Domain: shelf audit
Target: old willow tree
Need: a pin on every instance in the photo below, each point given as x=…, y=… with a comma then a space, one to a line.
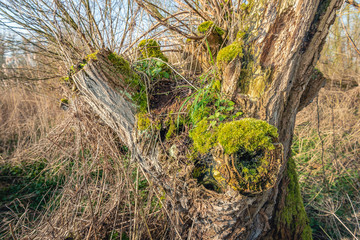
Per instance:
x=217, y=143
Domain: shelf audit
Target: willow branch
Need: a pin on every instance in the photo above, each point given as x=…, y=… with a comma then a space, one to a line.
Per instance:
x=353, y=3
x=349, y=37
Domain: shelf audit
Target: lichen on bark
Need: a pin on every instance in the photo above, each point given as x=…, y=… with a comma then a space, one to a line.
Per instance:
x=252, y=78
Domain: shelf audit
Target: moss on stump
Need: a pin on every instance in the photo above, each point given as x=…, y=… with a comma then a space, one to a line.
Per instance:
x=150, y=48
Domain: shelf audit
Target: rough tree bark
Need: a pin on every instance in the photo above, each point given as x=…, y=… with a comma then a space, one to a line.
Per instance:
x=286, y=38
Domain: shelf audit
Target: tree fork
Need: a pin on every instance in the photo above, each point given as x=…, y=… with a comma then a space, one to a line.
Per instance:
x=287, y=37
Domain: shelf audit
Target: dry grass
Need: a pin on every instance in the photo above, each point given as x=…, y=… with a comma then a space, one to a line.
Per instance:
x=26, y=114
x=327, y=150
x=94, y=190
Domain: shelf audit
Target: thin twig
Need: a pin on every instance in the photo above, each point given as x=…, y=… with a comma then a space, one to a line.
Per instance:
x=158, y=59
x=355, y=214
x=12, y=232
x=353, y=3
x=321, y=141
x=337, y=218
x=349, y=37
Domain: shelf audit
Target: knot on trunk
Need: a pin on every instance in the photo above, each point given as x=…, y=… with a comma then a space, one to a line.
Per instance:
x=245, y=172
x=242, y=155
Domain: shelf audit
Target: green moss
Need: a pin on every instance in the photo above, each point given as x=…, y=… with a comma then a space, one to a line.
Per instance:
x=92, y=56
x=205, y=177
x=82, y=65
x=204, y=136
x=65, y=80
x=198, y=171
x=245, y=162
x=241, y=35
x=150, y=48
x=72, y=69
x=200, y=113
x=250, y=140
x=293, y=214
x=171, y=128
x=64, y=100
x=229, y=53
x=216, y=86
x=143, y=121
x=253, y=77
x=253, y=172
x=205, y=26
x=123, y=67
x=307, y=233
x=247, y=134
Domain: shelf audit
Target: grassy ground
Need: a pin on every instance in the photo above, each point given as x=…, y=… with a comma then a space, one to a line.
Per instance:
x=63, y=174
x=327, y=150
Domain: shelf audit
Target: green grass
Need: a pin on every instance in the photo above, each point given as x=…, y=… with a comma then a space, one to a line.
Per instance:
x=27, y=187
x=322, y=198
x=29, y=182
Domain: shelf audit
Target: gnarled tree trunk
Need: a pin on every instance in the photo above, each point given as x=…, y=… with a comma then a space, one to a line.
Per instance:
x=286, y=39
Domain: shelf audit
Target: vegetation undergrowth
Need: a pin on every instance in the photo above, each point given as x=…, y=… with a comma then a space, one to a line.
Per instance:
x=326, y=152
x=153, y=67
x=29, y=184
x=328, y=188
x=65, y=177
x=208, y=102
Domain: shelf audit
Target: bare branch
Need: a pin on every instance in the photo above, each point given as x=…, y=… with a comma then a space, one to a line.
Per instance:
x=353, y=3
